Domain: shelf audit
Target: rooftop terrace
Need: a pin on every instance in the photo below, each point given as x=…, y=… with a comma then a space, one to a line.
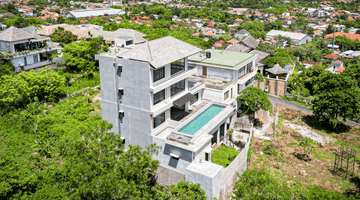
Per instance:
x=223, y=58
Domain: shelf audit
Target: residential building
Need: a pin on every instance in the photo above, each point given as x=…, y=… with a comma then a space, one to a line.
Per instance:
x=260, y=60
x=131, y=36
x=351, y=36
x=25, y=49
x=114, y=2
x=225, y=73
x=242, y=33
x=336, y=67
x=309, y=64
x=94, y=12
x=150, y=96
x=297, y=38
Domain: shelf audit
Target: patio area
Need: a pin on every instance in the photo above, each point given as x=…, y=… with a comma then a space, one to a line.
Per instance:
x=215, y=83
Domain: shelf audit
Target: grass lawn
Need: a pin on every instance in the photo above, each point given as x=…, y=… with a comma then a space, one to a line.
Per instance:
x=83, y=82
x=224, y=155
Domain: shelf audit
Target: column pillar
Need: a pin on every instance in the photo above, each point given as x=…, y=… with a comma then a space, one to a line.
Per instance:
x=218, y=136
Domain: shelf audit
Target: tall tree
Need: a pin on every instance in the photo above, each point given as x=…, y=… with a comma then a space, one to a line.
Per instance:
x=80, y=56
x=63, y=36
x=254, y=99
x=336, y=95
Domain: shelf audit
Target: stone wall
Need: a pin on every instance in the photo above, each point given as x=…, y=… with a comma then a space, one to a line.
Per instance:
x=169, y=176
x=275, y=86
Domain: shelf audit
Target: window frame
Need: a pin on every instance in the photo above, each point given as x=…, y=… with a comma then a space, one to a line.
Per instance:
x=162, y=118
x=177, y=66
x=156, y=70
x=160, y=99
x=177, y=91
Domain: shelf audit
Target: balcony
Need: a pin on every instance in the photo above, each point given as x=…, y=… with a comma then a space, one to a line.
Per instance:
x=213, y=83
x=247, y=76
x=174, y=79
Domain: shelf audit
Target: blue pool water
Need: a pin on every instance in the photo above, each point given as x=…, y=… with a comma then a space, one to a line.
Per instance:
x=199, y=121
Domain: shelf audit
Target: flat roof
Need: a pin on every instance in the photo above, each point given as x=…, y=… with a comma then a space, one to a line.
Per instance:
x=223, y=58
x=205, y=168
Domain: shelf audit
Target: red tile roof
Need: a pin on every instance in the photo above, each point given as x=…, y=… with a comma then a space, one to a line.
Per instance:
x=340, y=69
x=331, y=56
x=337, y=62
x=351, y=36
x=232, y=41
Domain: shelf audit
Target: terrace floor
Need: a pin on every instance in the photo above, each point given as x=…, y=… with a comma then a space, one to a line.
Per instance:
x=216, y=82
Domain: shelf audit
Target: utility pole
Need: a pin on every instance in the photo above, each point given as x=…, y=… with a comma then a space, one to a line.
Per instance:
x=333, y=38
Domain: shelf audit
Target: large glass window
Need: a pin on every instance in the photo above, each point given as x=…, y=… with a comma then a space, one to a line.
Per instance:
x=158, y=97
x=20, y=47
x=226, y=95
x=177, y=66
x=177, y=87
x=241, y=72
x=249, y=67
x=158, y=120
x=43, y=57
x=159, y=74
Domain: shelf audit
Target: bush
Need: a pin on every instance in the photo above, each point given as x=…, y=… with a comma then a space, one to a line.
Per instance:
x=17, y=91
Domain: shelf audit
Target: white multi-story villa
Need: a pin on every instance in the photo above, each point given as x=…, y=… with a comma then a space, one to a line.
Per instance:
x=160, y=92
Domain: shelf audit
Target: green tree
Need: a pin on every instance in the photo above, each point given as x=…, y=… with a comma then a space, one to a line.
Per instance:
x=80, y=56
x=6, y=68
x=336, y=95
x=18, y=91
x=182, y=190
x=311, y=31
x=63, y=36
x=254, y=99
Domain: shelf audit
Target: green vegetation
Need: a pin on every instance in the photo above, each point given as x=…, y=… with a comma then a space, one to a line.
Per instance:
x=18, y=91
x=80, y=56
x=64, y=150
x=63, y=36
x=264, y=184
x=254, y=99
x=6, y=67
x=224, y=155
x=78, y=82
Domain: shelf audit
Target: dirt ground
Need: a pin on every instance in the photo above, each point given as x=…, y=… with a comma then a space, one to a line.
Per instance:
x=286, y=156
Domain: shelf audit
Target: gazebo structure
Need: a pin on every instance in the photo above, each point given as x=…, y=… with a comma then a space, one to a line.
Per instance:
x=277, y=70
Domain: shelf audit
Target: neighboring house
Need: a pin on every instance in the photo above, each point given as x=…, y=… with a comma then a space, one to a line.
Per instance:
x=116, y=37
x=336, y=67
x=26, y=51
x=350, y=53
x=238, y=48
x=114, y=2
x=250, y=42
x=331, y=56
x=260, y=59
x=149, y=96
x=350, y=36
x=242, y=33
x=309, y=64
x=94, y=12
x=277, y=71
x=297, y=38
x=225, y=73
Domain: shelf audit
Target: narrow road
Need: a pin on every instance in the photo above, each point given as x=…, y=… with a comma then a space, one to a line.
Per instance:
x=277, y=101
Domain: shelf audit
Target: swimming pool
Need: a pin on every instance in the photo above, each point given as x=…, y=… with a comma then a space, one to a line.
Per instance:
x=199, y=121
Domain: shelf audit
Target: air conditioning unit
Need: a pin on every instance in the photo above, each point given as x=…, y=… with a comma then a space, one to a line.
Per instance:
x=119, y=69
x=121, y=91
x=121, y=114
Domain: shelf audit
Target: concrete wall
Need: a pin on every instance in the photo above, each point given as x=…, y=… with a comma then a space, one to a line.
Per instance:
x=136, y=125
x=211, y=185
x=179, y=165
x=201, y=153
x=4, y=47
x=237, y=166
x=213, y=72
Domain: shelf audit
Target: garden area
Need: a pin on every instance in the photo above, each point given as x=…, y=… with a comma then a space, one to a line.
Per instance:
x=224, y=155
x=299, y=163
